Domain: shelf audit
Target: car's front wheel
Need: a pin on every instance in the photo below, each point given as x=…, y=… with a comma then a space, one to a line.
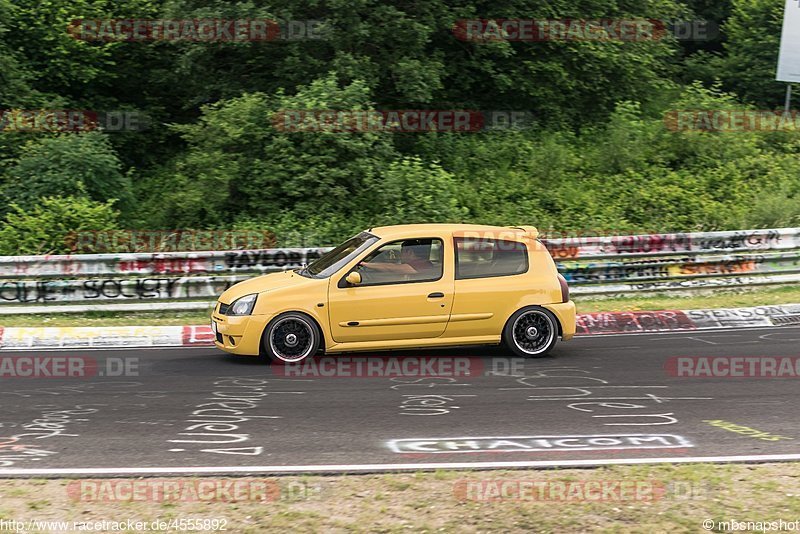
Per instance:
x=531, y=332
x=291, y=338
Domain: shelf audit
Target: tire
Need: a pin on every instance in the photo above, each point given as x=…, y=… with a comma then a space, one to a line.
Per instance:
x=291, y=338
x=531, y=332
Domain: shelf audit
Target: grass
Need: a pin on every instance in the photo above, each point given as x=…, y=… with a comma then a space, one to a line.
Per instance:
x=100, y=318
x=719, y=299
x=768, y=296
x=430, y=502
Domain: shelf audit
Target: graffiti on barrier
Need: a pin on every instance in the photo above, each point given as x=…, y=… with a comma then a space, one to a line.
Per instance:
x=265, y=260
x=734, y=317
x=671, y=243
x=659, y=268
x=593, y=265
x=163, y=266
x=270, y=258
x=627, y=322
x=26, y=291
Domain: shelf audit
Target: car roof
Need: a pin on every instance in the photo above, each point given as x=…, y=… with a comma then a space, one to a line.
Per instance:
x=416, y=230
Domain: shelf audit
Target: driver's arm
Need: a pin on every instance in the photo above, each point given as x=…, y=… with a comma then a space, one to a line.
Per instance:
x=400, y=268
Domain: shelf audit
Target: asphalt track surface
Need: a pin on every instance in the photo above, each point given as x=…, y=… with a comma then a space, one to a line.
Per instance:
x=595, y=400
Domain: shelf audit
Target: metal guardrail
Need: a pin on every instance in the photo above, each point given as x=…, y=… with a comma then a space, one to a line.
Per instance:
x=615, y=265
x=654, y=245
x=160, y=263
x=625, y=265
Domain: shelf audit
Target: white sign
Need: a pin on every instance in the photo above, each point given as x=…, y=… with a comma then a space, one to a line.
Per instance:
x=597, y=442
x=789, y=57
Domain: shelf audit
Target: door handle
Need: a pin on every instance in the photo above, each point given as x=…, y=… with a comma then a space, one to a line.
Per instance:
x=436, y=296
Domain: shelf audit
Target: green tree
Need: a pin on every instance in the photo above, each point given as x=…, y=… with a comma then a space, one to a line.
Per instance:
x=411, y=191
x=410, y=56
x=243, y=163
x=749, y=66
x=52, y=225
x=66, y=165
x=63, y=67
x=14, y=86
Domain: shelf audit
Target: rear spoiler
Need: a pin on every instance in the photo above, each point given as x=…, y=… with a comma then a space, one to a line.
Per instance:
x=530, y=231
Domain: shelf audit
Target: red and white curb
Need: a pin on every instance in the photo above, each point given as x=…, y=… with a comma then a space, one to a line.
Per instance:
x=635, y=322
x=82, y=337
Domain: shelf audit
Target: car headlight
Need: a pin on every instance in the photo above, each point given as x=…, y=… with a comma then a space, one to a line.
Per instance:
x=243, y=305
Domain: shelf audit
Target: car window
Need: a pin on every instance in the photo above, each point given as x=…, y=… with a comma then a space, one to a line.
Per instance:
x=335, y=259
x=407, y=260
x=481, y=258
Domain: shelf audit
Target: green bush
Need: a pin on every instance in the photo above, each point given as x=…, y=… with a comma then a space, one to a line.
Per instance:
x=53, y=225
x=411, y=191
x=67, y=165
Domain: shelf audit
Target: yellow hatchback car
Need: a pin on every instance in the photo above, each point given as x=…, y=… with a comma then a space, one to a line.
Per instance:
x=401, y=287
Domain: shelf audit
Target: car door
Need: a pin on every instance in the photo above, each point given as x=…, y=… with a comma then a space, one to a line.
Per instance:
x=393, y=301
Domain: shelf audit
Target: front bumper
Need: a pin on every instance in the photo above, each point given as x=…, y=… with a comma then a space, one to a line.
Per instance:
x=239, y=334
x=565, y=312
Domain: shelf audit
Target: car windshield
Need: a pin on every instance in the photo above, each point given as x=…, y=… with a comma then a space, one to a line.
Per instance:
x=338, y=257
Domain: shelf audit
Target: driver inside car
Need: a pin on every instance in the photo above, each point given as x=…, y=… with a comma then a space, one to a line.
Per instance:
x=413, y=260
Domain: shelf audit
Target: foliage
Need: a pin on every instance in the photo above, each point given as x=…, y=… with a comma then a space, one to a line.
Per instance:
x=75, y=165
x=749, y=66
x=216, y=156
x=53, y=225
x=412, y=192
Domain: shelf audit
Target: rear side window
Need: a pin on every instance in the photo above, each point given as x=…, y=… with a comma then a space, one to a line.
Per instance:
x=483, y=258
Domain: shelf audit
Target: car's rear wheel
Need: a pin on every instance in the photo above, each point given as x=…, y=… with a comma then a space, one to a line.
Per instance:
x=291, y=338
x=531, y=332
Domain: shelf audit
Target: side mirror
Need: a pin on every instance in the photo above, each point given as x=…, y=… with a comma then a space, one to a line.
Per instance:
x=353, y=278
